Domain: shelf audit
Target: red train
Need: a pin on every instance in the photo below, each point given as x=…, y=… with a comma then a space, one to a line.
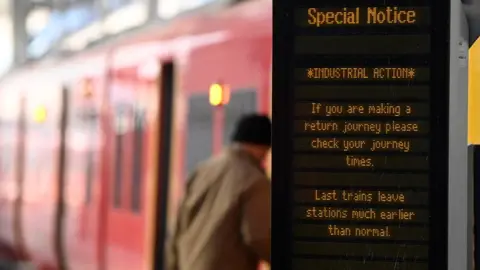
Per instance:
x=94, y=149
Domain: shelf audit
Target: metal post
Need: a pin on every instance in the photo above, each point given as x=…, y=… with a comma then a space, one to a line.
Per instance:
x=152, y=6
x=460, y=191
x=19, y=11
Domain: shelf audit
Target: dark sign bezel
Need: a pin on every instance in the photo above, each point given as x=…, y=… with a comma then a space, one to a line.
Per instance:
x=282, y=150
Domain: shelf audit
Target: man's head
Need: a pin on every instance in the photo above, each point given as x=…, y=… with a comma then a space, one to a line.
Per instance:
x=254, y=133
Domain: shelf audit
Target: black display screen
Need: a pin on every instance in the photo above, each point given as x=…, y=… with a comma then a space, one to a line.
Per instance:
x=360, y=135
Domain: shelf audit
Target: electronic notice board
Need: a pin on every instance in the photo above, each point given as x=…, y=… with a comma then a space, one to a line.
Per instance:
x=360, y=135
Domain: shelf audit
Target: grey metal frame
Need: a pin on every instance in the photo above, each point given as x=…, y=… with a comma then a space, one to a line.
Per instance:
x=460, y=191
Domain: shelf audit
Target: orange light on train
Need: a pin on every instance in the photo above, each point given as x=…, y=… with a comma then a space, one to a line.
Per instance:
x=39, y=114
x=219, y=94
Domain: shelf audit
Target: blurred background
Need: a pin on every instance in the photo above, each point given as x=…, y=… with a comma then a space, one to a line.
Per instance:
x=6, y=37
x=106, y=106
x=32, y=29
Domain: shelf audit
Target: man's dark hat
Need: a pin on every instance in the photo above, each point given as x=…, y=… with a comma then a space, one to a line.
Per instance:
x=254, y=129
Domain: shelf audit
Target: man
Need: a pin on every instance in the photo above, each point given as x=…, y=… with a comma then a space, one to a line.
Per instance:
x=224, y=219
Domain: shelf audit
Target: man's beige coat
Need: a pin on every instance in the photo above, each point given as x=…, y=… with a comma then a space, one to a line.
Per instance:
x=224, y=219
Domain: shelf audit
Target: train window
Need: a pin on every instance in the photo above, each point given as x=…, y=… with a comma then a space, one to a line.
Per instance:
x=241, y=102
x=138, y=137
x=117, y=196
x=89, y=176
x=121, y=126
x=199, y=131
x=88, y=119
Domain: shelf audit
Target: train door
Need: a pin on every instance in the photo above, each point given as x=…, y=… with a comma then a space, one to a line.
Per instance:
x=125, y=147
x=78, y=155
x=164, y=150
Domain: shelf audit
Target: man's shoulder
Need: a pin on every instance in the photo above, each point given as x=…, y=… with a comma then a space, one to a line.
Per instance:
x=236, y=167
x=224, y=159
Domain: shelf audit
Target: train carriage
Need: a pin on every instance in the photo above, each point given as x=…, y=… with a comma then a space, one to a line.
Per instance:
x=113, y=132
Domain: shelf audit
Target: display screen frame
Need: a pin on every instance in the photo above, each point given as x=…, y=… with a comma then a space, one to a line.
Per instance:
x=284, y=32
